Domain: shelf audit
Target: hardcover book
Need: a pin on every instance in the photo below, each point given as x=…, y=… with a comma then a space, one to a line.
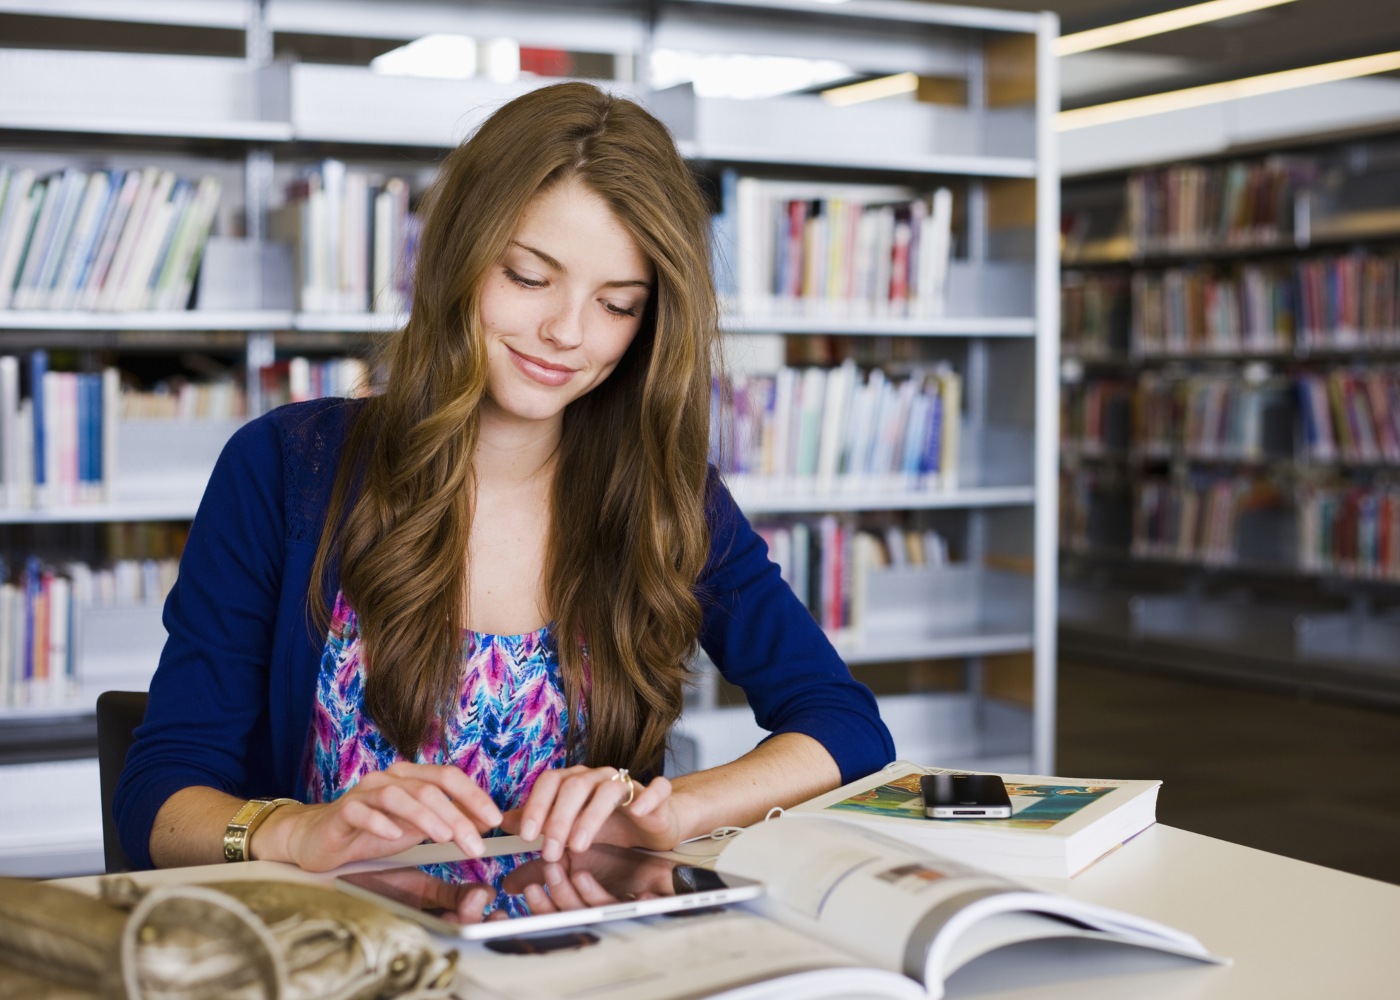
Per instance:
x=1058, y=826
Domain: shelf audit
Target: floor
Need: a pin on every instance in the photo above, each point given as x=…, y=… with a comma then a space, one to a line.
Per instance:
x=1309, y=780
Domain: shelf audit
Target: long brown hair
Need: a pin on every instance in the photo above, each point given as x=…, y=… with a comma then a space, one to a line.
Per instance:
x=628, y=536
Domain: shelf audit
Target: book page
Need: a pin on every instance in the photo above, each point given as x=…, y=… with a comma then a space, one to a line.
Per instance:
x=907, y=910
x=854, y=887
x=729, y=954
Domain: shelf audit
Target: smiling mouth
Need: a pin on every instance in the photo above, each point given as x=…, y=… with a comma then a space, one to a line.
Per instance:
x=541, y=371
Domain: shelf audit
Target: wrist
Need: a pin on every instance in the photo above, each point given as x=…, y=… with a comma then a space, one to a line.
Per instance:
x=271, y=841
x=692, y=819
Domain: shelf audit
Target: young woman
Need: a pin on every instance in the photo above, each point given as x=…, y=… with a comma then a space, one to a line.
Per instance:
x=469, y=602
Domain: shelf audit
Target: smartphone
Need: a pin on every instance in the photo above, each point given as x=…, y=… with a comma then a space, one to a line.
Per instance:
x=965, y=796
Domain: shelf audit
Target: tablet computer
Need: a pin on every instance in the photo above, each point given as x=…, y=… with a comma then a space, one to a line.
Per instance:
x=514, y=894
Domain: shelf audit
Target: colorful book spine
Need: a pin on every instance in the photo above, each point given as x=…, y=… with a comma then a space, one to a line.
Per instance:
x=826, y=431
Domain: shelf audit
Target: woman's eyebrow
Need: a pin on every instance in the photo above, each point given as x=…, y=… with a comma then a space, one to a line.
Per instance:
x=554, y=263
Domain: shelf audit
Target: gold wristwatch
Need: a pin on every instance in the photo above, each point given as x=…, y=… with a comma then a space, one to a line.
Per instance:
x=240, y=829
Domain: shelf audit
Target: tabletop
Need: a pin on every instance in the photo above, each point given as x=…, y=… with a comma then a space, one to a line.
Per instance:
x=1290, y=929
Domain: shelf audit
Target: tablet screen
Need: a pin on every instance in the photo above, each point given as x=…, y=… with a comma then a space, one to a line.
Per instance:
x=515, y=893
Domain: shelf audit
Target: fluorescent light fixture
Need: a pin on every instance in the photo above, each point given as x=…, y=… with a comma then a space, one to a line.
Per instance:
x=501, y=59
x=451, y=57
x=872, y=90
x=742, y=76
x=1229, y=90
x=1156, y=24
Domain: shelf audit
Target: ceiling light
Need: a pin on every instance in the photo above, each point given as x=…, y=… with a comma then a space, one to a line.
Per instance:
x=451, y=57
x=1229, y=90
x=872, y=90
x=742, y=76
x=1156, y=24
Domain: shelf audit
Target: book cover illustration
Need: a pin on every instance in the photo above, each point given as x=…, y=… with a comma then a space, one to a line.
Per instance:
x=1033, y=806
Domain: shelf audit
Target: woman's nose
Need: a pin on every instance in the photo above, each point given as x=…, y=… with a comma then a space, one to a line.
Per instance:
x=564, y=326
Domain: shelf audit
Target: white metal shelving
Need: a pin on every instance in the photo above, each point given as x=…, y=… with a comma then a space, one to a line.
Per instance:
x=179, y=321
x=1001, y=320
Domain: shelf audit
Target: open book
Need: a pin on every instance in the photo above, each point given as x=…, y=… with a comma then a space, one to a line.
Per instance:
x=1058, y=826
x=849, y=912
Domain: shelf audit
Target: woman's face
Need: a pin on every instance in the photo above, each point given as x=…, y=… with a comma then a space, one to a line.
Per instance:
x=561, y=306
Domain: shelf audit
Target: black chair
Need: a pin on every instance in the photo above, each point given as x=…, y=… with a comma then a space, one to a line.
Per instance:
x=118, y=715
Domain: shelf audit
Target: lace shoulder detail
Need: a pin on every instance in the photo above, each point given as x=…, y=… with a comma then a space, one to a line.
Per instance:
x=313, y=435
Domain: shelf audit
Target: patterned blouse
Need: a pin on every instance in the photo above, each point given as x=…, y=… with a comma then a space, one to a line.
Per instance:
x=510, y=724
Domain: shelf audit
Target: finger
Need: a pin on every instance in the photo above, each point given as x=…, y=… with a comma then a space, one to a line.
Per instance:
x=607, y=797
x=472, y=907
x=468, y=797
x=650, y=797
x=541, y=799
x=511, y=821
x=561, y=889
x=360, y=815
x=573, y=794
x=424, y=804
x=591, y=891
x=538, y=900
x=405, y=803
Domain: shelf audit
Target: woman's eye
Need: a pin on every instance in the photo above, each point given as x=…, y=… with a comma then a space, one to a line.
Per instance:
x=618, y=311
x=521, y=280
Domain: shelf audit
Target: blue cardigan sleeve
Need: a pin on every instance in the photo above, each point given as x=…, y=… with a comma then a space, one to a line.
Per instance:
x=763, y=639
x=207, y=715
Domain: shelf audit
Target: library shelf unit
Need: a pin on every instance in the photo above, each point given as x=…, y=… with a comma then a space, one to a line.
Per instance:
x=961, y=656
x=1235, y=378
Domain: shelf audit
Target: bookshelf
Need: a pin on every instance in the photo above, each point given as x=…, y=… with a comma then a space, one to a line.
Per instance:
x=1229, y=435
x=962, y=654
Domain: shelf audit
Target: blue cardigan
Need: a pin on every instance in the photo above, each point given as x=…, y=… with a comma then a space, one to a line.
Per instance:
x=230, y=704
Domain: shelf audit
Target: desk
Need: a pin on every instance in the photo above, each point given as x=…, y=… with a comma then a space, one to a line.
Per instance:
x=1295, y=931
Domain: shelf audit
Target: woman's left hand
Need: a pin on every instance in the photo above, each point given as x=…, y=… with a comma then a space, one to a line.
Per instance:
x=576, y=807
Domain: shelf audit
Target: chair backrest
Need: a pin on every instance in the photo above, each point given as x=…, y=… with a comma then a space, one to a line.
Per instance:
x=118, y=715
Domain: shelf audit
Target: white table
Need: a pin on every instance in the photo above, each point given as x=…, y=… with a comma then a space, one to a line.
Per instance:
x=1294, y=931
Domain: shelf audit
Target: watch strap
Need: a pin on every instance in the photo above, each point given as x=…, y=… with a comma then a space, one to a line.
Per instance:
x=248, y=818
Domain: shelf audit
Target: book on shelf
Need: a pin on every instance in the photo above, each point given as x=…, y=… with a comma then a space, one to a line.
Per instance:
x=295, y=380
x=1350, y=530
x=842, y=252
x=352, y=237
x=1094, y=314
x=1243, y=203
x=1058, y=827
x=39, y=610
x=830, y=430
x=58, y=444
x=827, y=562
x=108, y=240
x=179, y=399
x=1198, y=520
x=848, y=912
x=1350, y=414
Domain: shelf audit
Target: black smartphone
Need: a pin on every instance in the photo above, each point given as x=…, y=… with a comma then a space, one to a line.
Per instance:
x=965, y=796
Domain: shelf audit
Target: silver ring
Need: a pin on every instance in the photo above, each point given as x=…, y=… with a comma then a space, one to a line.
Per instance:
x=623, y=776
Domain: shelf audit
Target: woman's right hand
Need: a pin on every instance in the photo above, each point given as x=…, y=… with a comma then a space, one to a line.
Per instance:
x=385, y=812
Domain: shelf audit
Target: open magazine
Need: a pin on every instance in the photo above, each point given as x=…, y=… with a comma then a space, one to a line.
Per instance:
x=1058, y=826
x=849, y=912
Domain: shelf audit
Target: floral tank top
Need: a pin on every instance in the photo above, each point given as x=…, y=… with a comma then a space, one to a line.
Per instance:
x=510, y=724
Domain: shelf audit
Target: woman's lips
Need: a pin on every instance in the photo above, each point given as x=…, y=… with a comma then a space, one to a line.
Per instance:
x=541, y=371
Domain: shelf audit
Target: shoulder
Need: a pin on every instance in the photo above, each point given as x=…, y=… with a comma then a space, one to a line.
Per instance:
x=731, y=536
x=290, y=455
x=317, y=426
x=295, y=434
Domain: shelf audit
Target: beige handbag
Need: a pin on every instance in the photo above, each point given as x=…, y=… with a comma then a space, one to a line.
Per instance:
x=236, y=939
